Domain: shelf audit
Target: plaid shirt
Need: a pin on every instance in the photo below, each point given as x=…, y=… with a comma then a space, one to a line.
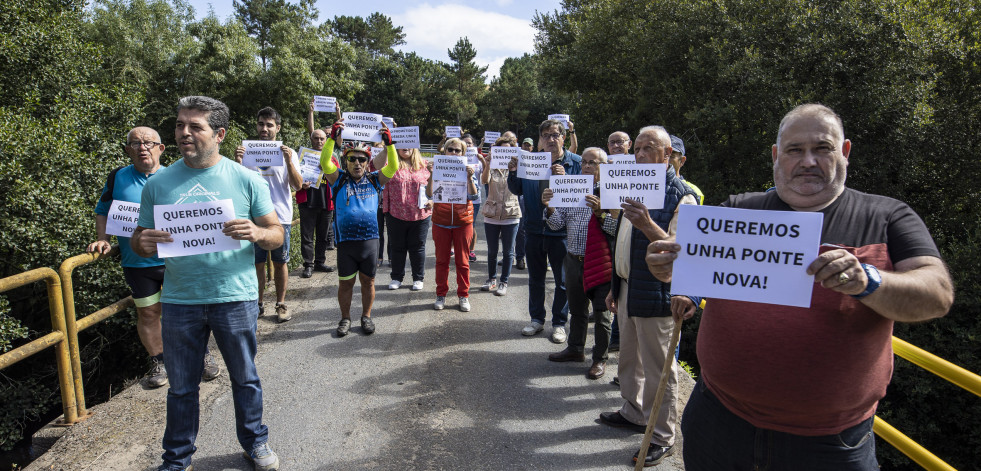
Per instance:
x=576, y=223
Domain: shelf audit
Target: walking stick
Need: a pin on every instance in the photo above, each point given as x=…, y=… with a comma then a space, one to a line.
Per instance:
x=658, y=398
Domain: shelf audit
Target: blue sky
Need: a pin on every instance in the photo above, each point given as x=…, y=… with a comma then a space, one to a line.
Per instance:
x=498, y=29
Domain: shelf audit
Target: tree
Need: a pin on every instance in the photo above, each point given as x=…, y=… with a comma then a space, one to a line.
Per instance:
x=377, y=34
x=259, y=17
x=468, y=81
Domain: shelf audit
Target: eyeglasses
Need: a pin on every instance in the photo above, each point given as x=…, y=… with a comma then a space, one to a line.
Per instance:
x=453, y=150
x=138, y=145
x=554, y=136
x=618, y=142
x=360, y=160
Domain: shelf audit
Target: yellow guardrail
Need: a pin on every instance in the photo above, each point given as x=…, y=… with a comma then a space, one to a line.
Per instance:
x=955, y=374
x=57, y=338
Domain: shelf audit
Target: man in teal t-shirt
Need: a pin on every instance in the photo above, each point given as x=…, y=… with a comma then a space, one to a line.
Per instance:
x=215, y=291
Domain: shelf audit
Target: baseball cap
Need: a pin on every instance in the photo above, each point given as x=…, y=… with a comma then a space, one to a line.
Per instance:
x=528, y=140
x=677, y=145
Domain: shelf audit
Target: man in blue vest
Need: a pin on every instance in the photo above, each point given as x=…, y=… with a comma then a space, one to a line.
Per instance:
x=643, y=304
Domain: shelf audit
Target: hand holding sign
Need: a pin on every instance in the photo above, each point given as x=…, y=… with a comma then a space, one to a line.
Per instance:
x=324, y=103
x=638, y=215
x=241, y=229
x=454, y=131
x=362, y=126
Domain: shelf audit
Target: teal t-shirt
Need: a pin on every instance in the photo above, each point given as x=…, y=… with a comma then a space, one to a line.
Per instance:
x=219, y=277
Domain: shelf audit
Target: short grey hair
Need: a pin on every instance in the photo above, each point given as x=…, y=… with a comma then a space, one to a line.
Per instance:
x=218, y=115
x=596, y=150
x=813, y=110
x=662, y=134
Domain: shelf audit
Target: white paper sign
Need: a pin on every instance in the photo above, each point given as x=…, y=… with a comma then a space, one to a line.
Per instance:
x=263, y=154
x=569, y=191
x=535, y=165
x=501, y=156
x=310, y=166
x=622, y=159
x=454, y=131
x=746, y=255
x=490, y=137
x=324, y=104
x=195, y=228
x=449, y=168
x=472, y=158
x=388, y=122
x=639, y=182
x=122, y=218
x=562, y=118
x=423, y=199
x=406, y=137
x=362, y=126
x=449, y=192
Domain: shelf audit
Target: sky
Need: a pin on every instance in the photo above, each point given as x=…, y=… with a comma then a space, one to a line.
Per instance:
x=498, y=29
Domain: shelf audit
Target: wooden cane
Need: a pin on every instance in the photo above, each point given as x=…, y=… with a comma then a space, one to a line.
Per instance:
x=662, y=386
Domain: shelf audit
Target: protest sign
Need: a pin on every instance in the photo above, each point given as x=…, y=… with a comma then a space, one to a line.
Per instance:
x=562, y=118
x=388, y=122
x=310, y=166
x=122, y=218
x=535, y=165
x=450, y=168
x=406, y=137
x=195, y=228
x=324, y=104
x=454, y=131
x=263, y=154
x=449, y=192
x=622, y=159
x=362, y=126
x=472, y=158
x=569, y=191
x=639, y=182
x=746, y=255
x=423, y=199
x=490, y=137
x=501, y=156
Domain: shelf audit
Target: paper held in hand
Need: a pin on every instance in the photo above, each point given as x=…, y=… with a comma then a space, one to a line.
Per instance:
x=406, y=137
x=362, y=126
x=454, y=131
x=490, y=137
x=569, y=191
x=622, y=159
x=562, y=118
x=501, y=156
x=450, y=168
x=324, y=104
x=263, y=154
x=310, y=167
x=122, y=218
x=535, y=165
x=746, y=255
x=639, y=182
x=195, y=227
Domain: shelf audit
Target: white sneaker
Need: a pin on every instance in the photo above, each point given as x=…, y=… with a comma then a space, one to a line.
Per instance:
x=532, y=329
x=263, y=458
x=440, y=303
x=559, y=335
x=489, y=285
x=417, y=285
x=464, y=304
x=502, y=289
x=395, y=284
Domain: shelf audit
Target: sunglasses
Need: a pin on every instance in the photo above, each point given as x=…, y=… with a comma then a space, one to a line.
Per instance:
x=357, y=159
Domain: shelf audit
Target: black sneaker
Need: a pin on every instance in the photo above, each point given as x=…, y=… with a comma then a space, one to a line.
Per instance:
x=521, y=264
x=367, y=325
x=655, y=454
x=343, y=327
x=614, y=419
x=307, y=272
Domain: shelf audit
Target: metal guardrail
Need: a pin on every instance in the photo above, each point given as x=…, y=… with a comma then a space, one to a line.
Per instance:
x=942, y=368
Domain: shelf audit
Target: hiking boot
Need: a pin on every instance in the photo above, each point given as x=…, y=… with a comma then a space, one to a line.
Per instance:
x=532, y=329
x=367, y=325
x=283, y=312
x=263, y=458
x=502, y=288
x=211, y=368
x=464, y=304
x=440, y=303
x=343, y=327
x=157, y=376
x=307, y=272
x=489, y=285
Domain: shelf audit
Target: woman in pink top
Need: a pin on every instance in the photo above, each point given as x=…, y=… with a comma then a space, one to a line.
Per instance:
x=408, y=224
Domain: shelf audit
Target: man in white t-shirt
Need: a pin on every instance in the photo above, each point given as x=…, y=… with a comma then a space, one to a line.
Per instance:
x=282, y=181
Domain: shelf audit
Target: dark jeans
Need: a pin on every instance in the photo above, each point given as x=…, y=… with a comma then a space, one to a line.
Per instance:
x=539, y=250
x=497, y=234
x=579, y=301
x=519, y=237
x=314, y=235
x=407, y=237
x=718, y=440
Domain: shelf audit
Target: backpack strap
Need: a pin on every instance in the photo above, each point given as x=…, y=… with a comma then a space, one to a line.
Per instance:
x=110, y=186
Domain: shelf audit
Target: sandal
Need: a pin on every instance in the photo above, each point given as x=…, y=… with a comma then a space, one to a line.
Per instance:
x=343, y=327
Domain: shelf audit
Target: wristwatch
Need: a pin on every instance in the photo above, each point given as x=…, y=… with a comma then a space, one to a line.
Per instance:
x=875, y=280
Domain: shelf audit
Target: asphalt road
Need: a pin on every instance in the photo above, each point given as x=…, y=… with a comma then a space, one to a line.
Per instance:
x=430, y=390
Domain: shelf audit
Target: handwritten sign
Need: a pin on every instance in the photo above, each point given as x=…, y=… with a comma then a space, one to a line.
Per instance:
x=490, y=137
x=569, y=191
x=449, y=192
x=472, y=158
x=622, y=159
x=388, y=122
x=362, y=126
x=450, y=168
x=454, y=131
x=195, y=228
x=310, y=166
x=122, y=218
x=324, y=104
x=263, y=154
x=639, y=182
x=562, y=118
x=501, y=156
x=406, y=137
x=535, y=165
x=746, y=255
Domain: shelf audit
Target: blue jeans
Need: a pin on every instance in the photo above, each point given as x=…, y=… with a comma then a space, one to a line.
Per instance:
x=496, y=233
x=539, y=250
x=185, y=330
x=718, y=440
